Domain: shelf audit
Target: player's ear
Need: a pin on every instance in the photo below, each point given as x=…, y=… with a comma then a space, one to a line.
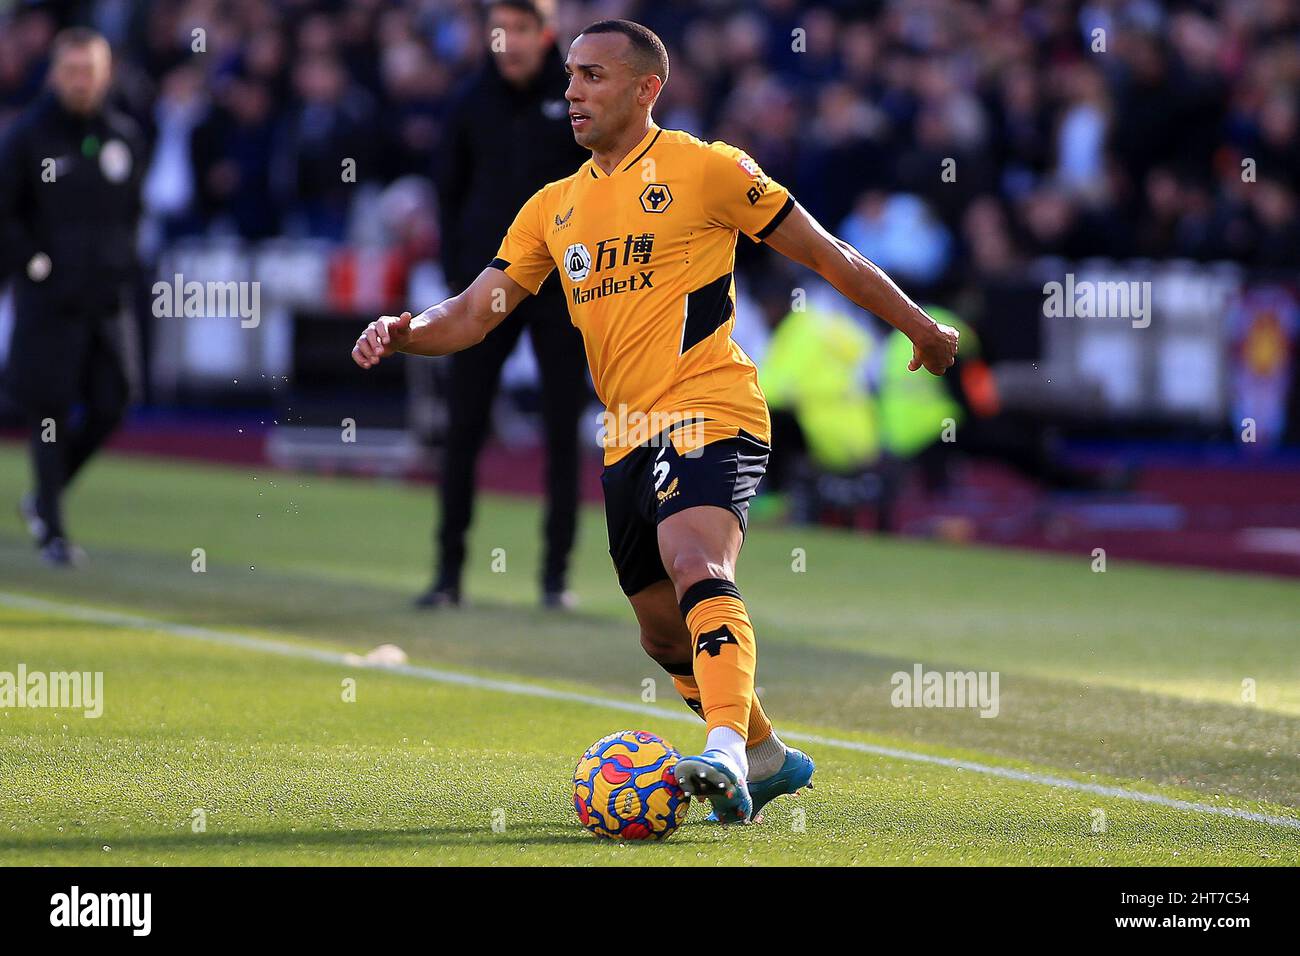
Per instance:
x=650, y=87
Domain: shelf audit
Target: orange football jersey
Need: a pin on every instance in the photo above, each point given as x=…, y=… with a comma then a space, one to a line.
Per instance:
x=646, y=256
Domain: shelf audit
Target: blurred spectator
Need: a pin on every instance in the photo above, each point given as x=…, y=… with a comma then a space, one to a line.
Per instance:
x=170, y=188
x=330, y=131
x=232, y=151
x=1081, y=138
x=991, y=252
x=899, y=234
x=415, y=89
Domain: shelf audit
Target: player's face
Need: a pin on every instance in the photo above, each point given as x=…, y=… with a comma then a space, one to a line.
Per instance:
x=603, y=91
x=81, y=75
x=519, y=43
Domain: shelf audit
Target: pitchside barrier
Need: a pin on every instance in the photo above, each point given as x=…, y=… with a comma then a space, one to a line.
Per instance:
x=1125, y=345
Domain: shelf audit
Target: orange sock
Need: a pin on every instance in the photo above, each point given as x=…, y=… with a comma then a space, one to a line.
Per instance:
x=760, y=727
x=722, y=642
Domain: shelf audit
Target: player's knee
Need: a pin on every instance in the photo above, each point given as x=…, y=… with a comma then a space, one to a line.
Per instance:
x=663, y=648
x=689, y=566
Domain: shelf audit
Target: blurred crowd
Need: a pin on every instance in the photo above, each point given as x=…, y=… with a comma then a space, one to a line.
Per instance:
x=947, y=139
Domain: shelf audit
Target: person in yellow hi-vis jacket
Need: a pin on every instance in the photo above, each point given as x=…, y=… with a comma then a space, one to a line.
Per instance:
x=927, y=421
x=816, y=368
x=814, y=374
x=914, y=415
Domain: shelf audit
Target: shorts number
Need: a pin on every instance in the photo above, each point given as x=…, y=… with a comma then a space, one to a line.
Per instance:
x=661, y=470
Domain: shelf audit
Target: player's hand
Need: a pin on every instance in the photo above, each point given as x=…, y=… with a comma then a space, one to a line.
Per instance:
x=385, y=336
x=937, y=351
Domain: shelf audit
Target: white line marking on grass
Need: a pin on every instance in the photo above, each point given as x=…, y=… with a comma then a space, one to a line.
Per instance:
x=286, y=649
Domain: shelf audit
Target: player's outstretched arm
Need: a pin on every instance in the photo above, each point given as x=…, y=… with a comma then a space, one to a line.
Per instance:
x=801, y=237
x=451, y=325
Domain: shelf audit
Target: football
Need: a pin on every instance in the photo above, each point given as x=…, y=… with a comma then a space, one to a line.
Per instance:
x=624, y=788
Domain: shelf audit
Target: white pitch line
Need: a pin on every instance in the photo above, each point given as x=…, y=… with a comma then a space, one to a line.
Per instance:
x=286, y=649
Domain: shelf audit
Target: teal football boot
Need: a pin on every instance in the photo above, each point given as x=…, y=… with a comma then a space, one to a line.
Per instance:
x=795, y=774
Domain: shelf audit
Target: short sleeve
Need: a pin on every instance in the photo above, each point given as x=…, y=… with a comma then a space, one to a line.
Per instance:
x=523, y=255
x=739, y=195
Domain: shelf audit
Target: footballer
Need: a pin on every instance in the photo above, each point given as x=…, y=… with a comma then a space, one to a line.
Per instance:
x=644, y=236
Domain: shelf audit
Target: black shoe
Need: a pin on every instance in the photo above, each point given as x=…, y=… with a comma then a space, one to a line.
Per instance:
x=561, y=600
x=61, y=553
x=439, y=596
x=31, y=517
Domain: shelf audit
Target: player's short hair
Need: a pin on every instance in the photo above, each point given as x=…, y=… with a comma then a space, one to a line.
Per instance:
x=648, y=52
x=75, y=38
x=542, y=10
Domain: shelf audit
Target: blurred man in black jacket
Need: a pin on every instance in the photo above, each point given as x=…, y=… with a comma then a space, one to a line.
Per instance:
x=69, y=205
x=507, y=136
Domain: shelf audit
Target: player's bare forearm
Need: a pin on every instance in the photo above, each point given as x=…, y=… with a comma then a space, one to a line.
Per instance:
x=444, y=328
x=801, y=238
x=864, y=283
x=450, y=326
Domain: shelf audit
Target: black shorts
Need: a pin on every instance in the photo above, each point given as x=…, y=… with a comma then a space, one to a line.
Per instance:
x=654, y=481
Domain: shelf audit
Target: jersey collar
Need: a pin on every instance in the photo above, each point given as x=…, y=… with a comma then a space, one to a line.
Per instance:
x=636, y=152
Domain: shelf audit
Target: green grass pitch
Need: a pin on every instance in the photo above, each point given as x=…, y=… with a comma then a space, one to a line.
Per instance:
x=1131, y=679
